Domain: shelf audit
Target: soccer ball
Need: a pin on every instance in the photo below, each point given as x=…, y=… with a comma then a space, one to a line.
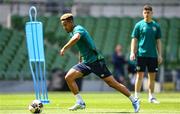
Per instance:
x=36, y=107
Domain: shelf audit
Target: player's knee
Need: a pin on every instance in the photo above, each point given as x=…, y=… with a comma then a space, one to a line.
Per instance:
x=140, y=78
x=68, y=78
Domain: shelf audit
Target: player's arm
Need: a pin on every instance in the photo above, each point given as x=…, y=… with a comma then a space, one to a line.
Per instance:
x=159, y=49
x=133, y=49
x=135, y=36
x=70, y=43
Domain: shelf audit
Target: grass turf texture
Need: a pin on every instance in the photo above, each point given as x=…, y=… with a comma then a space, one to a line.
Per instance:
x=97, y=103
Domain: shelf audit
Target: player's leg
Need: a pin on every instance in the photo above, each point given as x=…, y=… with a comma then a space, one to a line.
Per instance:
x=116, y=85
x=151, y=83
x=100, y=69
x=121, y=88
x=70, y=78
x=140, y=68
x=77, y=71
x=138, y=84
x=152, y=69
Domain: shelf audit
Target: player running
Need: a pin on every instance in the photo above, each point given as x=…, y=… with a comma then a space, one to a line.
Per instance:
x=92, y=62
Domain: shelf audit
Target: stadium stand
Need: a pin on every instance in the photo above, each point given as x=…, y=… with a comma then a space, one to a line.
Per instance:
x=107, y=32
x=51, y=26
x=4, y=33
x=124, y=36
x=100, y=32
x=173, y=41
x=90, y=23
x=164, y=23
x=112, y=34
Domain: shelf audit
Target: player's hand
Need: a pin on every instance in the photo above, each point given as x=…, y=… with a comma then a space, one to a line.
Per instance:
x=160, y=59
x=132, y=56
x=62, y=51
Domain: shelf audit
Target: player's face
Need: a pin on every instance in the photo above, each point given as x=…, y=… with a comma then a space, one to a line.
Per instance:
x=67, y=25
x=147, y=14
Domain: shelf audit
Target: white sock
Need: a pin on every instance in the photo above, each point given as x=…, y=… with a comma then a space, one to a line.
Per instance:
x=151, y=95
x=136, y=94
x=78, y=98
x=132, y=98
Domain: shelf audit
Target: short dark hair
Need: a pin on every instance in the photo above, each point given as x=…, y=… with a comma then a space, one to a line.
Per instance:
x=147, y=7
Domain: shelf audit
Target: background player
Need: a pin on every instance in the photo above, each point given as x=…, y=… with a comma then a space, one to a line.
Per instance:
x=145, y=44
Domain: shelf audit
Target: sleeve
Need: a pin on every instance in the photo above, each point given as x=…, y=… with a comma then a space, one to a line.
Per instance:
x=135, y=32
x=158, y=34
x=79, y=30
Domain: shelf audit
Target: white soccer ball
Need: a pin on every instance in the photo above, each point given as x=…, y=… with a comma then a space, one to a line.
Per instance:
x=36, y=107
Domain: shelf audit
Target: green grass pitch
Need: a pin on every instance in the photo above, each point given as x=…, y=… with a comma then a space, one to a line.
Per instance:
x=97, y=103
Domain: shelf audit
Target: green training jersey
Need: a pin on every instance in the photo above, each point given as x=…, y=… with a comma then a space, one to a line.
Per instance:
x=147, y=35
x=86, y=45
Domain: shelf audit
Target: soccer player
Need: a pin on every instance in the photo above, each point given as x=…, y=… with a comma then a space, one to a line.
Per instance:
x=146, y=45
x=92, y=61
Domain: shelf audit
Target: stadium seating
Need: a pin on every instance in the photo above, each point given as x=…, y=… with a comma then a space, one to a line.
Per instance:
x=51, y=27
x=17, y=22
x=164, y=23
x=125, y=30
x=51, y=53
x=79, y=20
x=100, y=32
x=25, y=72
x=60, y=62
x=111, y=36
x=60, y=35
x=5, y=35
x=89, y=24
x=173, y=43
x=107, y=32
